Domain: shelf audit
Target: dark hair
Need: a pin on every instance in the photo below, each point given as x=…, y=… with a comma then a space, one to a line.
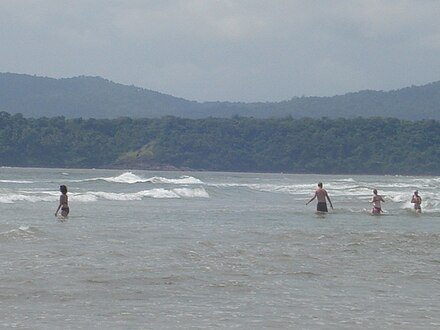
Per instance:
x=63, y=189
x=375, y=191
x=320, y=184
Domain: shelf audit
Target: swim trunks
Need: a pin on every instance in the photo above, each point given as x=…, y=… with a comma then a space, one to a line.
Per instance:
x=376, y=210
x=322, y=207
x=65, y=211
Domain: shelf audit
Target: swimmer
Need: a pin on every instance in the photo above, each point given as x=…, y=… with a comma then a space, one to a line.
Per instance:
x=417, y=201
x=64, y=204
x=321, y=194
x=376, y=199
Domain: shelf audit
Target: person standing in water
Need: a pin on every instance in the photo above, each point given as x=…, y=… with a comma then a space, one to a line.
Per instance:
x=417, y=201
x=376, y=199
x=64, y=204
x=321, y=194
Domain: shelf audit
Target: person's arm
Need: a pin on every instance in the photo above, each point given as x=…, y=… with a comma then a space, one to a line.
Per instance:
x=330, y=202
x=311, y=198
x=59, y=206
x=56, y=212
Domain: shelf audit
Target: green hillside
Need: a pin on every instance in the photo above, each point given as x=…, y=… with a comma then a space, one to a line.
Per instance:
x=374, y=146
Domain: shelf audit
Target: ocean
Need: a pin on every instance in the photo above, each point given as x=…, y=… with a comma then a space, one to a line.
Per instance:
x=205, y=250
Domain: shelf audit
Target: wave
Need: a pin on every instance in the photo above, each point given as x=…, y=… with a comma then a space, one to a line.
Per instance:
x=127, y=177
x=93, y=196
x=159, y=193
x=184, y=179
x=346, y=180
x=22, y=197
x=23, y=232
x=16, y=181
x=190, y=193
x=131, y=178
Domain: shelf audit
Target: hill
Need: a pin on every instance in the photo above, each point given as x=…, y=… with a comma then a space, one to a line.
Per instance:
x=95, y=97
x=219, y=144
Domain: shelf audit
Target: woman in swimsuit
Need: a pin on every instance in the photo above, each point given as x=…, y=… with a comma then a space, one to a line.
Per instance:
x=417, y=201
x=64, y=204
x=377, y=208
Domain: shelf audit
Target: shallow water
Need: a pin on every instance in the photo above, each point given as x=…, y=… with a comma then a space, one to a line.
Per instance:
x=170, y=250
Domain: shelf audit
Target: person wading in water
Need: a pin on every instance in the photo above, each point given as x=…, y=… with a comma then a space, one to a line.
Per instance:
x=321, y=194
x=64, y=203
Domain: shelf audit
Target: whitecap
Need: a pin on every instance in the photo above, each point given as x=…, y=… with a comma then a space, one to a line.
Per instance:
x=346, y=180
x=184, y=179
x=127, y=177
x=130, y=178
x=12, y=198
x=16, y=181
x=93, y=196
x=159, y=193
x=118, y=196
x=23, y=232
x=186, y=192
x=84, y=198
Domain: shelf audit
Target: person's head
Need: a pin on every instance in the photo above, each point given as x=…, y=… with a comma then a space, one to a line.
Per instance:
x=375, y=191
x=416, y=193
x=320, y=184
x=63, y=189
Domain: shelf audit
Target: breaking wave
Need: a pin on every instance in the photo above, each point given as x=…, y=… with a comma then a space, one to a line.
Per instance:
x=21, y=233
x=151, y=193
x=130, y=178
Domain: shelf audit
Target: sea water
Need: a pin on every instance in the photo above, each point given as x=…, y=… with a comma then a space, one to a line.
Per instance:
x=203, y=250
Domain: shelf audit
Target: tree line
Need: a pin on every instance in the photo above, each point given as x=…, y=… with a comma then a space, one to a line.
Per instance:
x=357, y=146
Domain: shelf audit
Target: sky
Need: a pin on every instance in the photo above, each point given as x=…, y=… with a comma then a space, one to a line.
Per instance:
x=227, y=50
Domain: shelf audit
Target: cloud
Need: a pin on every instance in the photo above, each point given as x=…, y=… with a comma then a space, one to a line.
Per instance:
x=244, y=50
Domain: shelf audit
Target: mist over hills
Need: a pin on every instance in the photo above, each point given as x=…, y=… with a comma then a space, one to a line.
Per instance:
x=95, y=97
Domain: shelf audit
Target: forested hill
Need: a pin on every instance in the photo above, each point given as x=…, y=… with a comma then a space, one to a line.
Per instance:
x=362, y=146
x=95, y=97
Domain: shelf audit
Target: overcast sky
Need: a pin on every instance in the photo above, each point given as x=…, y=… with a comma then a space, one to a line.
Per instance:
x=227, y=50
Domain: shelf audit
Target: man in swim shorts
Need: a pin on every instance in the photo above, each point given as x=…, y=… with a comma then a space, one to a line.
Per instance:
x=321, y=194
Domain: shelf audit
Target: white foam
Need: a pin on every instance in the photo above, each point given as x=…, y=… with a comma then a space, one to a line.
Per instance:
x=346, y=180
x=84, y=198
x=16, y=181
x=12, y=198
x=117, y=196
x=127, y=177
x=182, y=180
x=186, y=192
x=160, y=193
x=399, y=197
x=93, y=196
x=23, y=232
x=130, y=178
